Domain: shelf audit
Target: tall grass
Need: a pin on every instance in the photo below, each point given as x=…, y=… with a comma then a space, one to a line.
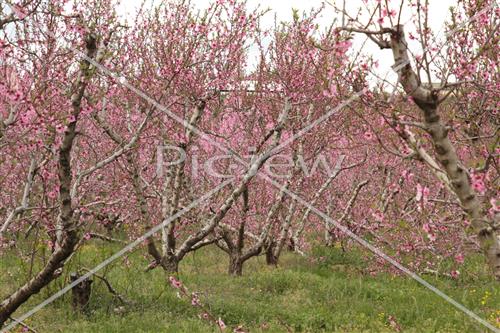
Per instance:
x=327, y=292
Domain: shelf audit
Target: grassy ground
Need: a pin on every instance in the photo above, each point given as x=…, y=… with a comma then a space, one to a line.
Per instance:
x=331, y=295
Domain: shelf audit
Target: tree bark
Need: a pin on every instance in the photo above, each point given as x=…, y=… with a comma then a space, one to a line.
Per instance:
x=68, y=235
x=428, y=101
x=170, y=264
x=258, y=162
x=271, y=258
x=81, y=293
x=235, y=265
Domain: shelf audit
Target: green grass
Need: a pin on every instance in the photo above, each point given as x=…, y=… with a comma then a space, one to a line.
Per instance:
x=331, y=295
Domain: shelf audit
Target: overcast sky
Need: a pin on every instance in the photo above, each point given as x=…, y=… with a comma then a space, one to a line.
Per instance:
x=439, y=12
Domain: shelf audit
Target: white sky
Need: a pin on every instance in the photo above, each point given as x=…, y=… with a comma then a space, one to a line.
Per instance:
x=283, y=10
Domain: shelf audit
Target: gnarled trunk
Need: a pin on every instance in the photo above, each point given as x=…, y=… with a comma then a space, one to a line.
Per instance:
x=67, y=235
x=271, y=258
x=235, y=265
x=81, y=293
x=428, y=101
x=43, y=278
x=170, y=264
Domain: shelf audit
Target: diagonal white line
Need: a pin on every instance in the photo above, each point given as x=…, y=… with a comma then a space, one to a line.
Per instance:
x=138, y=92
x=321, y=119
x=461, y=25
x=397, y=67
x=360, y=240
x=124, y=82
x=117, y=255
x=381, y=254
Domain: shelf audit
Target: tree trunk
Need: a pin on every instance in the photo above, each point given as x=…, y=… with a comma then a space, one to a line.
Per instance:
x=67, y=236
x=428, y=101
x=271, y=258
x=81, y=293
x=43, y=278
x=235, y=265
x=170, y=265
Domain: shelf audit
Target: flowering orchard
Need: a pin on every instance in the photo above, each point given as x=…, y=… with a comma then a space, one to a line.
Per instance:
x=97, y=109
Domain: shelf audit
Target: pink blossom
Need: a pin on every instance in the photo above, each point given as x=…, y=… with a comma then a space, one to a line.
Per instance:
x=422, y=194
x=195, y=300
x=407, y=175
x=479, y=186
x=454, y=274
x=378, y=216
x=425, y=194
x=478, y=182
x=60, y=128
x=221, y=324
x=52, y=194
x=175, y=283
x=239, y=329
x=419, y=194
x=19, y=11
x=406, y=150
x=331, y=92
x=368, y=135
x=495, y=204
x=459, y=258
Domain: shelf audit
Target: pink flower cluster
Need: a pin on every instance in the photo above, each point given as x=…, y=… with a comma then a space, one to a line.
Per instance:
x=175, y=283
x=422, y=195
x=478, y=183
